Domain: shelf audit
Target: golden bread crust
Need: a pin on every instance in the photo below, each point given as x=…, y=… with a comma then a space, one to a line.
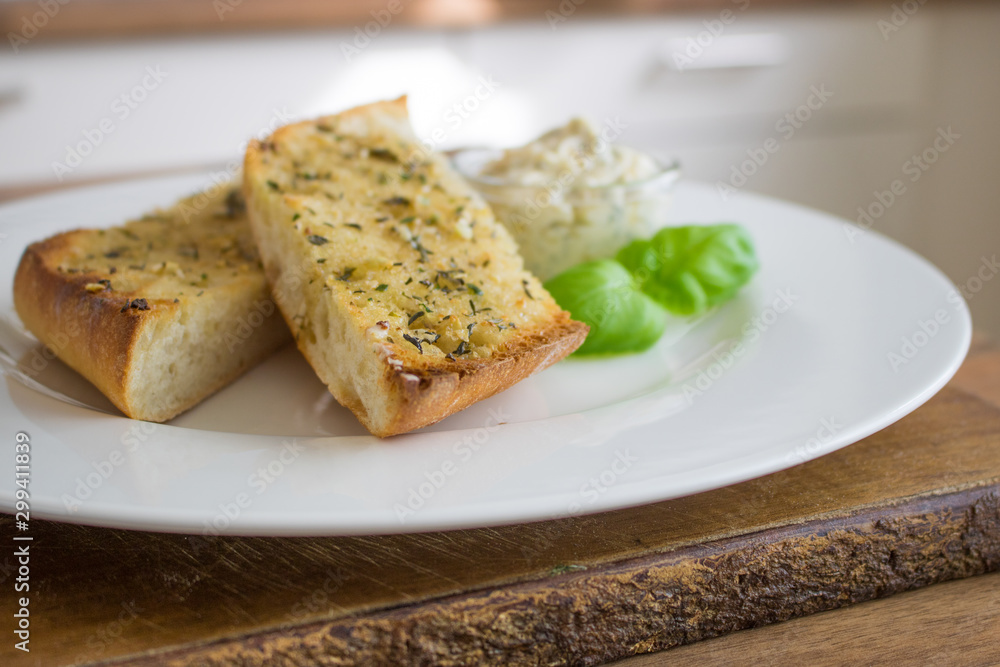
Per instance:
x=127, y=327
x=439, y=392
x=90, y=332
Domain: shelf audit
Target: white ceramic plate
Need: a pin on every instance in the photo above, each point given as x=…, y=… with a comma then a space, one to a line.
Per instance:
x=840, y=334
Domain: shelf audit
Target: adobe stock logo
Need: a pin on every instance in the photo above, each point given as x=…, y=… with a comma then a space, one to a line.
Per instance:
x=438, y=476
x=33, y=24
x=911, y=345
x=121, y=108
x=363, y=35
x=786, y=128
x=824, y=437
x=752, y=329
x=696, y=45
x=900, y=16
x=915, y=168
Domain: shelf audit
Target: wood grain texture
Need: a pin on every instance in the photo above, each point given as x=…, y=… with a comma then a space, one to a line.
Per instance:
x=918, y=627
x=911, y=505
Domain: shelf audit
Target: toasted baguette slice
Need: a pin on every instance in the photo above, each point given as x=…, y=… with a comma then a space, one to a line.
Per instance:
x=407, y=297
x=159, y=313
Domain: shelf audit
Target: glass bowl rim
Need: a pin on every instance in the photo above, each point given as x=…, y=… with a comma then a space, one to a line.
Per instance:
x=668, y=172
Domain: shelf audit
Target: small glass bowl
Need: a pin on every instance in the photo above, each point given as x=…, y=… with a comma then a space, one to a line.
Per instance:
x=561, y=224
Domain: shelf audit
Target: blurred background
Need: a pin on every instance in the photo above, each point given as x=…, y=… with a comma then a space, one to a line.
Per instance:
x=881, y=112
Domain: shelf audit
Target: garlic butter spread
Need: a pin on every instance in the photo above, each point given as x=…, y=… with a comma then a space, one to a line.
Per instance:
x=395, y=237
x=571, y=196
x=577, y=148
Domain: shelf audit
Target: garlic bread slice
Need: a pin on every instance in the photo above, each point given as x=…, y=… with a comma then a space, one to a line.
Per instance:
x=401, y=289
x=159, y=313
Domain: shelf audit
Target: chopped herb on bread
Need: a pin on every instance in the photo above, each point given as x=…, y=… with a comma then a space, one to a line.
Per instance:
x=401, y=289
x=158, y=313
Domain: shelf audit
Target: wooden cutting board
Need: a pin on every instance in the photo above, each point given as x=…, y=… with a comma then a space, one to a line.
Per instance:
x=915, y=504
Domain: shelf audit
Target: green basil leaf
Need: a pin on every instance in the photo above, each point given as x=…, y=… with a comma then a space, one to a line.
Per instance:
x=603, y=295
x=691, y=269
